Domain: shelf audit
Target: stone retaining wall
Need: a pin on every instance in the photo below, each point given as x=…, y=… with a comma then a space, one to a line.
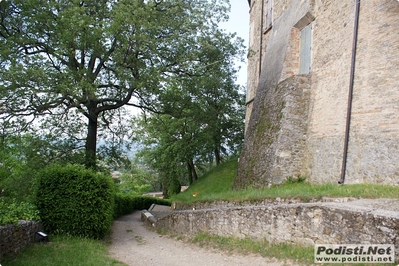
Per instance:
x=278, y=138
x=14, y=238
x=303, y=223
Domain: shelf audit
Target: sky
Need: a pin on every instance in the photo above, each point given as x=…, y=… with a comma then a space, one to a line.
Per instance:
x=239, y=23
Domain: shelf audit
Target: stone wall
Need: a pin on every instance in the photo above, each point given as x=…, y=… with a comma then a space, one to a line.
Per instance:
x=374, y=131
x=374, y=139
x=373, y=146
x=14, y=238
x=278, y=145
x=353, y=222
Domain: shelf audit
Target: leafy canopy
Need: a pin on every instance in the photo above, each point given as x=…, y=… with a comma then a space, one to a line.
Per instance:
x=74, y=65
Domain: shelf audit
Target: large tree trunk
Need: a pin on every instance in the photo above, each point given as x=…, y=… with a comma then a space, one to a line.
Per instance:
x=91, y=142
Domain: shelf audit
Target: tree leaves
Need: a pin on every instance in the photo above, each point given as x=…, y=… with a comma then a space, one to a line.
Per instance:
x=201, y=115
x=63, y=58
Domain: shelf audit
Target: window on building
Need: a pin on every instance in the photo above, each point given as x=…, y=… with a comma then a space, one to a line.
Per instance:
x=305, y=50
x=269, y=13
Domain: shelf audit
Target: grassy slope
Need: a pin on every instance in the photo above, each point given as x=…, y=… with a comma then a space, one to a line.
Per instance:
x=217, y=185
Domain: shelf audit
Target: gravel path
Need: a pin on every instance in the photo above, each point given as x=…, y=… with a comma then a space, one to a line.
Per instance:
x=134, y=245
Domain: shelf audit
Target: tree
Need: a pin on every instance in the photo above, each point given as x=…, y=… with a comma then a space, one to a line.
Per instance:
x=222, y=100
x=22, y=156
x=137, y=180
x=65, y=62
x=202, y=115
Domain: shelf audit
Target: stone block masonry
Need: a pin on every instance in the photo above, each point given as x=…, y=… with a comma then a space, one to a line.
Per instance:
x=359, y=221
x=374, y=131
x=14, y=238
x=274, y=61
x=278, y=145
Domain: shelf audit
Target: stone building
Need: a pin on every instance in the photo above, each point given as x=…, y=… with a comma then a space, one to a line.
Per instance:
x=322, y=92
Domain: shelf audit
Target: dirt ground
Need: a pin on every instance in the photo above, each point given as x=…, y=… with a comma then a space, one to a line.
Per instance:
x=134, y=245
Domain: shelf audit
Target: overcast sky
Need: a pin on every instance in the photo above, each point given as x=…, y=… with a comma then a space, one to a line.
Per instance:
x=239, y=23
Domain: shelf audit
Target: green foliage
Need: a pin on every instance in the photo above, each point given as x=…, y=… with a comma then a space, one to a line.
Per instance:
x=295, y=179
x=77, y=82
x=113, y=155
x=11, y=212
x=201, y=115
x=24, y=155
x=173, y=187
x=127, y=203
x=65, y=250
x=165, y=162
x=136, y=181
x=76, y=201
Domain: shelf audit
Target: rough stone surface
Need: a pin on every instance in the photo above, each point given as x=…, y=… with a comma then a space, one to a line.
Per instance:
x=273, y=59
x=334, y=221
x=373, y=142
x=14, y=238
x=278, y=145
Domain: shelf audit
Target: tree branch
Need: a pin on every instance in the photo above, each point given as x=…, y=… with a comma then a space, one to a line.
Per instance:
x=106, y=57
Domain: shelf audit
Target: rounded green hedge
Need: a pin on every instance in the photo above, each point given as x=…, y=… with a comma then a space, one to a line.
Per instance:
x=76, y=201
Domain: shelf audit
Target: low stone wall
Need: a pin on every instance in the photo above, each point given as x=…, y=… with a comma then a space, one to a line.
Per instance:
x=352, y=222
x=14, y=238
x=270, y=201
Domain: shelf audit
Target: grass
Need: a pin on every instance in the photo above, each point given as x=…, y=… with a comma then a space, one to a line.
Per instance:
x=303, y=255
x=217, y=181
x=64, y=250
x=217, y=185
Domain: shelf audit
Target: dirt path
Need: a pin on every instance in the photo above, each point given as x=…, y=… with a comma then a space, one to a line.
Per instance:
x=134, y=245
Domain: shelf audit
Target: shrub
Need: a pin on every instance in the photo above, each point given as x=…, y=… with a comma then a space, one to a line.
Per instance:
x=126, y=203
x=174, y=187
x=11, y=212
x=76, y=201
x=295, y=179
x=170, y=186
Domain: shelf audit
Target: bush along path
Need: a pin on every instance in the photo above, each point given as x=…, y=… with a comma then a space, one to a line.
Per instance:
x=133, y=244
x=75, y=201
